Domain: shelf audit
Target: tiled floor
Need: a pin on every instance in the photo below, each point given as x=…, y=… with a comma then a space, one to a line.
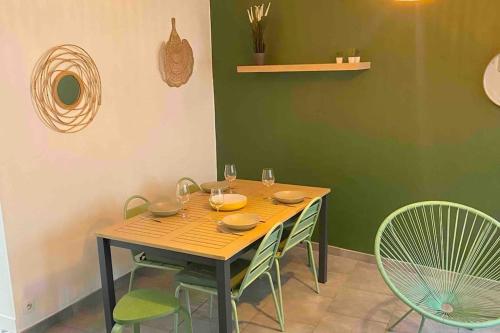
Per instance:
x=355, y=300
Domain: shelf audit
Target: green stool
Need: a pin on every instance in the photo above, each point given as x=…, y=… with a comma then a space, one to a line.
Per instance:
x=141, y=305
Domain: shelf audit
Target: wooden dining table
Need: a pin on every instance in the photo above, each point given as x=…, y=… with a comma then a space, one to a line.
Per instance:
x=198, y=238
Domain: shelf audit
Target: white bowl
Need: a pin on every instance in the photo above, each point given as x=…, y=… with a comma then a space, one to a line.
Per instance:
x=232, y=202
x=165, y=208
x=241, y=221
x=289, y=197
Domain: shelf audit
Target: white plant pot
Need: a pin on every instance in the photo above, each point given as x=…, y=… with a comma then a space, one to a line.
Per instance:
x=352, y=60
x=358, y=60
x=339, y=60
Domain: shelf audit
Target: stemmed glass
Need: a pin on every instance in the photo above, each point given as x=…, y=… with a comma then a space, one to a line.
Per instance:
x=230, y=174
x=183, y=195
x=217, y=198
x=268, y=178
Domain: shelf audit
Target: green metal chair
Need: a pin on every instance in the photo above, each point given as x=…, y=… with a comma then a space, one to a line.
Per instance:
x=193, y=186
x=443, y=260
x=301, y=232
x=141, y=259
x=142, y=305
x=243, y=274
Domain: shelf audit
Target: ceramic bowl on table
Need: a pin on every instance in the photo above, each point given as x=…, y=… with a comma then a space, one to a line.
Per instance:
x=164, y=208
x=289, y=197
x=241, y=221
x=232, y=202
x=207, y=187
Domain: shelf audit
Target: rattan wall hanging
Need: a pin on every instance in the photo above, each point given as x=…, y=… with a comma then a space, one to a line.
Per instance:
x=66, y=88
x=176, y=59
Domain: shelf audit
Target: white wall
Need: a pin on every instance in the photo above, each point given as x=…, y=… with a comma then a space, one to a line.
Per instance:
x=58, y=189
x=7, y=315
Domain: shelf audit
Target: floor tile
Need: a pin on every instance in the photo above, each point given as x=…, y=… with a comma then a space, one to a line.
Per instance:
x=337, y=323
x=264, y=323
x=298, y=277
x=301, y=307
x=58, y=328
x=363, y=305
x=367, y=277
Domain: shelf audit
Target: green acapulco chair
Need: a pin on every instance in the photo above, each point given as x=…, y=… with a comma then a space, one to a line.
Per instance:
x=141, y=259
x=243, y=274
x=141, y=305
x=301, y=232
x=193, y=186
x=443, y=260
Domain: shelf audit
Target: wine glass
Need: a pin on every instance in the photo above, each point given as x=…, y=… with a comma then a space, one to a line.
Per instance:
x=217, y=198
x=268, y=177
x=230, y=174
x=183, y=194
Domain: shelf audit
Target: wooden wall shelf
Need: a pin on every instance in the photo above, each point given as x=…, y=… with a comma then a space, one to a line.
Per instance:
x=304, y=68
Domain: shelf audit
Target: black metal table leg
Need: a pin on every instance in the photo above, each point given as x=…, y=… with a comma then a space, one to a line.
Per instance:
x=108, y=288
x=323, y=241
x=224, y=296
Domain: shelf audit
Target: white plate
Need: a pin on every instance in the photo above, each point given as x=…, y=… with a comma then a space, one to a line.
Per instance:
x=164, y=208
x=491, y=80
x=241, y=221
x=232, y=202
x=289, y=197
x=207, y=187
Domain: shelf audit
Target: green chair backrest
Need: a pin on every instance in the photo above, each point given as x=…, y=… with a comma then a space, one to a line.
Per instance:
x=304, y=227
x=264, y=257
x=193, y=186
x=134, y=211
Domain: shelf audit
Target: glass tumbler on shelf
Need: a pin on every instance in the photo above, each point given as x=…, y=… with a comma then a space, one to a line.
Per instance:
x=268, y=178
x=183, y=195
x=230, y=175
x=216, y=198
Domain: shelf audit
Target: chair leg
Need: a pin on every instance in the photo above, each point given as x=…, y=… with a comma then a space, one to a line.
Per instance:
x=188, y=302
x=117, y=328
x=176, y=315
x=235, y=315
x=187, y=320
x=132, y=274
x=277, y=305
x=421, y=325
x=211, y=306
x=137, y=328
x=308, y=257
x=280, y=294
x=313, y=264
x=399, y=320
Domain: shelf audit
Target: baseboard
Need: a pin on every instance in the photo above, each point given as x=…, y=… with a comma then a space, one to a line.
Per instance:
x=7, y=324
x=70, y=310
x=355, y=255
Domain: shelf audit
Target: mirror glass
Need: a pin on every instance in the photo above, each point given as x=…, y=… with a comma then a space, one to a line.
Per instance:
x=67, y=90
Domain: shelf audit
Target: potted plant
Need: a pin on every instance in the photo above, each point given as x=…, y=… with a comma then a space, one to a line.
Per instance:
x=354, y=56
x=257, y=17
x=339, y=58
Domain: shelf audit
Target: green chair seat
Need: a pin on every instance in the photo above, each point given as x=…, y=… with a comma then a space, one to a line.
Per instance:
x=144, y=304
x=204, y=276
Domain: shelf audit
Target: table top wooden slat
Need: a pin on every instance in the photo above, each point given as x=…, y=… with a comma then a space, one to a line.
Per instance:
x=199, y=234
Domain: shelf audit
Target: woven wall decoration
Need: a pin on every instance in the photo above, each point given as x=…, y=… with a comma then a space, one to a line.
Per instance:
x=66, y=88
x=176, y=59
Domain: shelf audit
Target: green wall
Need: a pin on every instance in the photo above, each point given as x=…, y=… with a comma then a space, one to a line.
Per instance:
x=417, y=126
